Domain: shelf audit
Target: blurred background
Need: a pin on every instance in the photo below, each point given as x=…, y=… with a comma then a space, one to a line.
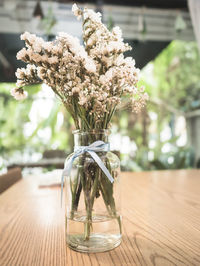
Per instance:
x=36, y=134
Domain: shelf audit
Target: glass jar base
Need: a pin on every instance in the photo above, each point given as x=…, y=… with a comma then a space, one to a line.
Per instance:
x=96, y=242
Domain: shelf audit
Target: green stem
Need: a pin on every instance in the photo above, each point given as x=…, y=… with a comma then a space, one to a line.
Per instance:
x=87, y=222
x=107, y=194
x=75, y=194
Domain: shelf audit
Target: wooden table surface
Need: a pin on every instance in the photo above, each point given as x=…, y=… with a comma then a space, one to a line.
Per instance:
x=161, y=223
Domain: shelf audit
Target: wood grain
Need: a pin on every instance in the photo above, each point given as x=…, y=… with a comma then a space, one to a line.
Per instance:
x=8, y=179
x=161, y=223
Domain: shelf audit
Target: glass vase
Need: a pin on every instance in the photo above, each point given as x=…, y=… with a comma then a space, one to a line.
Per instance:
x=92, y=202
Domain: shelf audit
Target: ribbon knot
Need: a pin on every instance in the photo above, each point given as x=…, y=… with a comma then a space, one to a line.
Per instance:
x=97, y=146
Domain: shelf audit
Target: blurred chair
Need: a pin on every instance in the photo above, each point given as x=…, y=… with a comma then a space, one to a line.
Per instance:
x=8, y=179
x=50, y=158
x=51, y=154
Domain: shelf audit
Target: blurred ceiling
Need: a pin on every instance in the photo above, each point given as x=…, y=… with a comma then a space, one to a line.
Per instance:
x=180, y=4
x=148, y=25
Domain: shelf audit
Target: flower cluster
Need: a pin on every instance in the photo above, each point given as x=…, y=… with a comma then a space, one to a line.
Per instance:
x=91, y=80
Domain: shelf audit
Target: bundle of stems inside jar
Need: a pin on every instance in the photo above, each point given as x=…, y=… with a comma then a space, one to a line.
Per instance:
x=92, y=80
x=94, y=183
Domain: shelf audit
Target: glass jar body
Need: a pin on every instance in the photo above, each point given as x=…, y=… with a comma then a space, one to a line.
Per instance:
x=92, y=202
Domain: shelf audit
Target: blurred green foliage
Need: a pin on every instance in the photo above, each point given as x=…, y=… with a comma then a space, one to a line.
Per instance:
x=175, y=76
x=15, y=115
x=12, y=118
x=173, y=84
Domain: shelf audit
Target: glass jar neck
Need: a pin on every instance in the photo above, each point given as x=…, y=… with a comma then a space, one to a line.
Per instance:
x=85, y=138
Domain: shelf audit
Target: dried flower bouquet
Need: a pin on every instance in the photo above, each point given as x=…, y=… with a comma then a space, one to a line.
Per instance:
x=91, y=81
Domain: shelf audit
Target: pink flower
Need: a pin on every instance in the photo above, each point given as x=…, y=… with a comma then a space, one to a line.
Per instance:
x=21, y=54
x=19, y=93
x=20, y=73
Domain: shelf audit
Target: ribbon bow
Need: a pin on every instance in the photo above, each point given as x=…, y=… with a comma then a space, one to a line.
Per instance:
x=96, y=146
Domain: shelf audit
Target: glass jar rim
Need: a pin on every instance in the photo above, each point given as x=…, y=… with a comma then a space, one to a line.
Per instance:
x=91, y=131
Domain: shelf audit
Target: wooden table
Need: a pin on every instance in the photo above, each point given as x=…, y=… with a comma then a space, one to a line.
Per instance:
x=161, y=223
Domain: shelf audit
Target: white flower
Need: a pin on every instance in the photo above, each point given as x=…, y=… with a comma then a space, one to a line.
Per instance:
x=25, y=35
x=109, y=74
x=41, y=72
x=63, y=35
x=130, y=62
x=73, y=43
x=56, y=50
x=89, y=13
x=18, y=93
x=90, y=65
x=90, y=41
x=136, y=72
x=52, y=60
x=98, y=33
x=87, y=31
x=30, y=68
x=108, y=61
x=44, y=58
x=97, y=75
x=117, y=32
x=82, y=53
x=31, y=38
x=102, y=79
x=77, y=11
x=20, y=73
x=47, y=46
x=116, y=46
x=37, y=47
x=21, y=54
x=20, y=83
x=119, y=60
x=75, y=90
x=69, y=83
x=36, y=58
x=82, y=100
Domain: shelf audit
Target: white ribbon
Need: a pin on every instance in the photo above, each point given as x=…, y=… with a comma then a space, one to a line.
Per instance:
x=97, y=146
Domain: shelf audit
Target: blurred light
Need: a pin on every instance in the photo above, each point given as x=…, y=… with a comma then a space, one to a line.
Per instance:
x=46, y=90
x=165, y=134
x=45, y=134
x=166, y=148
x=152, y=144
x=122, y=144
x=153, y=116
x=148, y=74
x=55, y=145
x=180, y=130
x=115, y=141
x=29, y=129
x=41, y=108
x=150, y=155
x=170, y=160
x=1, y=162
x=35, y=157
x=60, y=120
x=126, y=145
